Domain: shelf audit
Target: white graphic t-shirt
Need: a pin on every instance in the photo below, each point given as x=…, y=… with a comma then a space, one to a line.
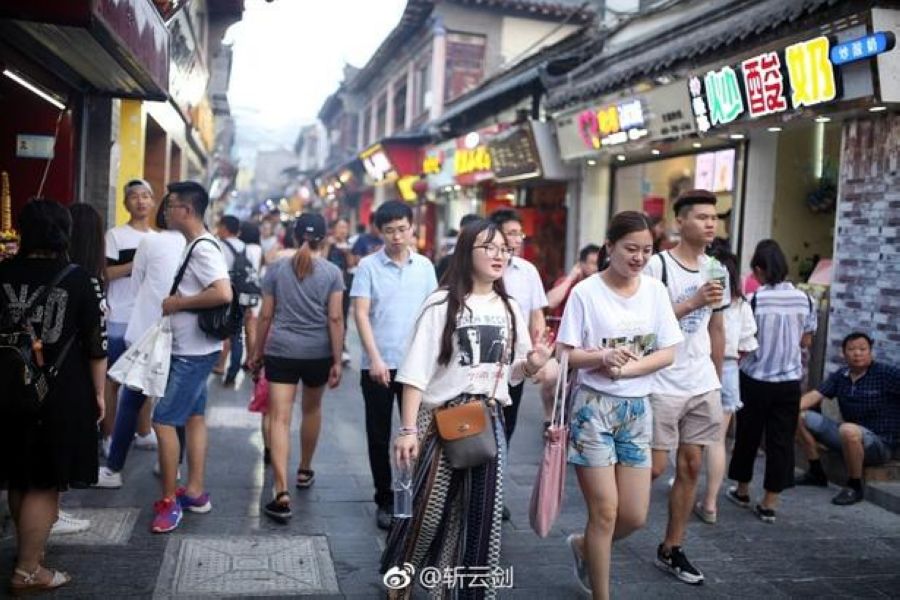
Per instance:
x=205, y=267
x=597, y=317
x=481, y=345
x=693, y=372
x=121, y=245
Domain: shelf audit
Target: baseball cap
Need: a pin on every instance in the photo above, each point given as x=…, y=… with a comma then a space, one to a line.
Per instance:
x=310, y=226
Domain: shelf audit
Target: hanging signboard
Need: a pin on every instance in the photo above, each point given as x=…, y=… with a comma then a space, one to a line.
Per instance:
x=659, y=113
x=514, y=156
x=799, y=75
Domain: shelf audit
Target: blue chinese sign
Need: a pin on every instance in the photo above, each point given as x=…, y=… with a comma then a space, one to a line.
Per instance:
x=862, y=48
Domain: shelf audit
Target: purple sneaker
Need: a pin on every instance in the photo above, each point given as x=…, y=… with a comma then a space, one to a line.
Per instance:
x=200, y=504
x=168, y=516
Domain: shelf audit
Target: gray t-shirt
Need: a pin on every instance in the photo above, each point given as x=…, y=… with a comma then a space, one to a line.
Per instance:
x=300, y=325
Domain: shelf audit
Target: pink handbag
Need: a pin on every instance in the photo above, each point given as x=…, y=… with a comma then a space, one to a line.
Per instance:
x=549, y=487
x=259, y=402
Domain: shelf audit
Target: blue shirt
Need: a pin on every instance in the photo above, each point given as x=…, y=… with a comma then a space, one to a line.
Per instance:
x=873, y=401
x=396, y=294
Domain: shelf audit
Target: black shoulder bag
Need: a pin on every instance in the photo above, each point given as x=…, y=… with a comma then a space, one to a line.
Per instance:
x=218, y=322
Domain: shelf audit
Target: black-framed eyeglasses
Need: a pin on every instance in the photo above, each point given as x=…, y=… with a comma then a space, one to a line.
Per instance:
x=495, y=251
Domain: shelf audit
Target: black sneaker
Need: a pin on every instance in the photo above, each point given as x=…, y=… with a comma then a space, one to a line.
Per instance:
x=809, y=478
x=676, y=563
x=847, y=496
x=766, y=515
x=742, y=501
x=229, y=380
x=277, y=510
x=384, y=517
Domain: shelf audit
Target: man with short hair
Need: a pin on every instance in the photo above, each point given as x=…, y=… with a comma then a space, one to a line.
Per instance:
x=204, y=284
x=687, y=402
x=121, y=244
x=444, y=263
x=868, y=394
x=388, y=290
x=524, y=285
x=227, y=231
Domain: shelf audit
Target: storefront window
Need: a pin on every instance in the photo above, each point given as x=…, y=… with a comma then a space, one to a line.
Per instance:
x=652, y=187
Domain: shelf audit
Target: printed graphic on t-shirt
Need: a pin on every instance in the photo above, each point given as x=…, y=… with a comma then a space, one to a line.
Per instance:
x=691, y=322
x=641, y=345
x=482, y=341
x=47, y=319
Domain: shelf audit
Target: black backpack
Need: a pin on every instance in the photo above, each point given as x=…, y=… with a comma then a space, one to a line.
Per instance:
x=244, y=278
x=24, y=378
x=218, y=322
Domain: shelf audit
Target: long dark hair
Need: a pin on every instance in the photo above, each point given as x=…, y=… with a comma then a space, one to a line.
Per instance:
x=622, y=224
x=769, y=258
x=87, y=245
x=457, y=281
x=45, y=226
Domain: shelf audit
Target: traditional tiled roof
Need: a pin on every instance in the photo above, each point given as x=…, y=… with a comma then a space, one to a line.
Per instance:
x=416, y=14
x=736, y=23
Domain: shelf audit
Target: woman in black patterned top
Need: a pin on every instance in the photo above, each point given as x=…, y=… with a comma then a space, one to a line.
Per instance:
x=43, y=453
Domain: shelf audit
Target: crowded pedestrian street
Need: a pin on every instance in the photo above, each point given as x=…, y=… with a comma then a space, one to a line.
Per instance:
x=330, y=549
x=450, y=299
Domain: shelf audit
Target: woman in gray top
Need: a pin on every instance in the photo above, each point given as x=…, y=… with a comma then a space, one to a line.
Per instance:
x=302, y=305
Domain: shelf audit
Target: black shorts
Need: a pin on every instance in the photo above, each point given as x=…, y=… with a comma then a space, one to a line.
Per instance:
x=312, y=372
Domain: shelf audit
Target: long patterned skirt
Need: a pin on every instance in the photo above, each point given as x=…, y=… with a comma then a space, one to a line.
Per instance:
x=456, y=520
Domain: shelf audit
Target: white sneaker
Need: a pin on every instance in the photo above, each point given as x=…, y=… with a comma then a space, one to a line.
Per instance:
x=67, y=523
x=156, y=470
x=104, y=447
x=145, y=442
x=108, y=479
x=345, y=358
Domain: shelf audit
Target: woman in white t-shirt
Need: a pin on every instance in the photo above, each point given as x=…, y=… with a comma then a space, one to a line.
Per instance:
x=619, y=329
x=470, y=340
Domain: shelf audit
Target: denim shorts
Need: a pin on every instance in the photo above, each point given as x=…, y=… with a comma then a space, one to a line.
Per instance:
x=185, y=395
x=606, y=430
x=115, y=341
x=731, y=386
x=827, y=431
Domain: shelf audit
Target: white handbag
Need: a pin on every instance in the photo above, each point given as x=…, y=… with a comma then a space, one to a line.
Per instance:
x=144, y=366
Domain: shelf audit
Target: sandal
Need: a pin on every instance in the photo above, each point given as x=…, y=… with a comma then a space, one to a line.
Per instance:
x=30, y=584
x=278, y=510
x=305, y=478
x=708, y=517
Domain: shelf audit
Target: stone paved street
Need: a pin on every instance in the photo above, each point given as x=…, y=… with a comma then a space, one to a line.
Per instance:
x=331, y=547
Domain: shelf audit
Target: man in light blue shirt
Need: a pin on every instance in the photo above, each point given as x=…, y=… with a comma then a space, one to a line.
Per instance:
x=388, y=290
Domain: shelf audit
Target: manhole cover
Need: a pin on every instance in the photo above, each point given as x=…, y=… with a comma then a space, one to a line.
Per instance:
x=242, y=566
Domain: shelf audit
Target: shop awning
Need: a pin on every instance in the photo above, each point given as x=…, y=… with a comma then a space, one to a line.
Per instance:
x=714, y=29
x=116, y=47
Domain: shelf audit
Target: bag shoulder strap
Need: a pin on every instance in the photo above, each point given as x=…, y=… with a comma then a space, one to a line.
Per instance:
x=665, y=270
x=233, y=251
x=180, y=275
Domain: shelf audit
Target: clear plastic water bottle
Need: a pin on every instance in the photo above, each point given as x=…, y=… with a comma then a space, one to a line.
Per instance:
x=403, y=491
x=715, y=271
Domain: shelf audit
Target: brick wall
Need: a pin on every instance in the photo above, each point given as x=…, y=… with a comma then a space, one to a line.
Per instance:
x=865, y=295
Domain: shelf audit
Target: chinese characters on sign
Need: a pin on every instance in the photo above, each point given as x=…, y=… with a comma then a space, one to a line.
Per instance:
x=723, y=95
x=862, y=48
x=811, y=72
x=769, y=83
x=612, y=125
x=764, y=84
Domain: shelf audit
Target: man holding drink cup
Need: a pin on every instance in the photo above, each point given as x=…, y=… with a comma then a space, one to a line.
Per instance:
x=687, y=404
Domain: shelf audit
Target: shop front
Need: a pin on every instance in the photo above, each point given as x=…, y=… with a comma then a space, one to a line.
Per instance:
x=799, y=105
x=525, y=159
x=637, y=151
x=60, y=64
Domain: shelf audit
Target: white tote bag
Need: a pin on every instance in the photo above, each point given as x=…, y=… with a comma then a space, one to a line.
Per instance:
x=144, y=366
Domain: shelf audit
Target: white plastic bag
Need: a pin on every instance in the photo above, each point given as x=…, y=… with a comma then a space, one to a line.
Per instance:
x=144, y=366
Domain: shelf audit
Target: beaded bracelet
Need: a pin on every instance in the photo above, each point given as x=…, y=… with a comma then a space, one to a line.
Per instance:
x=408, y=431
